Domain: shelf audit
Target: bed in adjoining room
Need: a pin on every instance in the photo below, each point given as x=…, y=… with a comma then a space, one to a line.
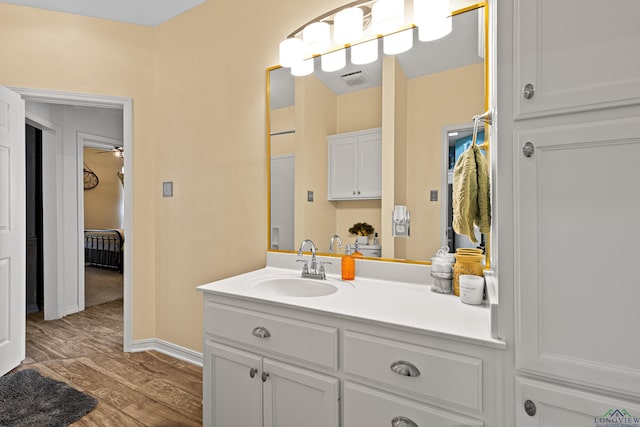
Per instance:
x=103, y=248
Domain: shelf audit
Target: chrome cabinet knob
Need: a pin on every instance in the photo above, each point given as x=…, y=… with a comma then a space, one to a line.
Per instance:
x=530, y=408
x=403, y=422
x=405, y=369
x=261, y=332
x=253, y=372
x=528, y=91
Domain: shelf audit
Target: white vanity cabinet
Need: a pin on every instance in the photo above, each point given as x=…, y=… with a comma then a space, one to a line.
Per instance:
x=575, y=55
x=575, y=137
x=278, y=365
x=355, y=165
x=245, y=383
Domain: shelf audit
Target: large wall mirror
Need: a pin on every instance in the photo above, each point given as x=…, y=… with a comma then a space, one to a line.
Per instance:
x=421, y=102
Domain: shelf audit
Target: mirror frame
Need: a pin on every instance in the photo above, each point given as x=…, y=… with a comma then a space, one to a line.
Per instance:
x=487, y=61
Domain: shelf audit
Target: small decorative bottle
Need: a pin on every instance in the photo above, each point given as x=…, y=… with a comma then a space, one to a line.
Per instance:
x=348, y=264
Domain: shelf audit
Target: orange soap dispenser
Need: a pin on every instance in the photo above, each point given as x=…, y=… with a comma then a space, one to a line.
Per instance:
x=348, y=264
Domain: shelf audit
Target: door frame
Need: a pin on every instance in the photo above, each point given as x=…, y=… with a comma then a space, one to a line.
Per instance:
x=126, y=105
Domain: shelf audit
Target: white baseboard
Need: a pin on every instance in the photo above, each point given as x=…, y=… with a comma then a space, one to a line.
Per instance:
x=167, y=348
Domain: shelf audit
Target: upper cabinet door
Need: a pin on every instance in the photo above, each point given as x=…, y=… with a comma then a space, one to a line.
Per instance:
x=370, y=166
x=577, y=210
x=575, y=55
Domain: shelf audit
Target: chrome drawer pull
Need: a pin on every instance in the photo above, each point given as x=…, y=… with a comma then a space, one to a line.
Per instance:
x=406, y=369
x=261, y=332
x=403, y=422
x=265, y=376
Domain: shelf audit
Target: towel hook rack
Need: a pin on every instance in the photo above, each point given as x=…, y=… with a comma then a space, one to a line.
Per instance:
x=486, y=117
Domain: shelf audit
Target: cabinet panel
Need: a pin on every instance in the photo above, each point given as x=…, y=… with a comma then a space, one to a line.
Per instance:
x=342, y=173
x=302, y=340
x=295, y=397
x=577, y=205
x=231, y=396
x=369, y=166
x=366, y=407
x=557, y=406
x=442, y=376
x=577, y=54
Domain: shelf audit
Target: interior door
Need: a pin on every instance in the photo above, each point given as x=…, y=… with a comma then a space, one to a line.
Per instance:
x=12, y=231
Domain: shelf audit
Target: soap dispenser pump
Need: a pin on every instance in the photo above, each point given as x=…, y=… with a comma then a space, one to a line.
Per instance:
x=348, y=264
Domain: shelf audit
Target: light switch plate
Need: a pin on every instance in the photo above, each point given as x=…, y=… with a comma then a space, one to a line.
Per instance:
x=167, y=189
x=433, y=195
x=309, y=196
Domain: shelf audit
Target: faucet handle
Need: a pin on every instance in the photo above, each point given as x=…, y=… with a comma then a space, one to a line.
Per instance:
x=305, y=267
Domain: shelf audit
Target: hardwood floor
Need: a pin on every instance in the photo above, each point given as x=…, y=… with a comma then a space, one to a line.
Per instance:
x=133, y=389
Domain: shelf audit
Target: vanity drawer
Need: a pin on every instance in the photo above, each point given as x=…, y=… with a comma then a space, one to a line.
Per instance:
x=438, y=375
x=301, y=340
x=365, y=407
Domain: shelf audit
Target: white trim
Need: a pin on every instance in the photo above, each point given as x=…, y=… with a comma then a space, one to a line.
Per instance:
x=169, y=349
x=126, y=104
x=91, y=140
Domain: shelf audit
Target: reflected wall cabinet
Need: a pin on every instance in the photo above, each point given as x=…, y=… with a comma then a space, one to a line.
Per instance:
x=355, y=165
x=576, y=132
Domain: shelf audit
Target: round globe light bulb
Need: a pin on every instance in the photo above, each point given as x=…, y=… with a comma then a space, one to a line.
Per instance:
x=347, y=25
x=317, y=38
x=291, y=51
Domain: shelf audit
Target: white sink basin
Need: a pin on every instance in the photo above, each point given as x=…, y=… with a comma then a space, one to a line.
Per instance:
x=294, y=287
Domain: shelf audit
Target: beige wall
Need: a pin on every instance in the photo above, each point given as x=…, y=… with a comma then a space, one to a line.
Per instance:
x=460, y=94
x=103, y=205
x=49, y=50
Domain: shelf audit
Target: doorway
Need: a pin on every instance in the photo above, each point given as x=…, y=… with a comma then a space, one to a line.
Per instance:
x=34, y=252
x=456, y=139
x=63, y=255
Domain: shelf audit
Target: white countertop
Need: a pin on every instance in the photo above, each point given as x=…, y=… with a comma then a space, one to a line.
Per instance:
x=398, y=304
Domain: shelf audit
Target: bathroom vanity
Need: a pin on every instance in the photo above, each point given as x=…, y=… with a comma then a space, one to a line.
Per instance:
x=284, y=351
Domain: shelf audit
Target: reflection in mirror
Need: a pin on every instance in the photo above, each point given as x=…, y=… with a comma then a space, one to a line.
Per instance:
x=417, y=99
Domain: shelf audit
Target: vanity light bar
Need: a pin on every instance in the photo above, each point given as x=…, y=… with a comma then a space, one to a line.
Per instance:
x=432, y=17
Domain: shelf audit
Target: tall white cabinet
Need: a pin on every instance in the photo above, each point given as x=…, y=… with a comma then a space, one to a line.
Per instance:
x=574, y=130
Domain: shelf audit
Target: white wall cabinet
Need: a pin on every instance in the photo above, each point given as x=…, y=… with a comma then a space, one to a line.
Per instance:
x=278, y=366
x=576, y=206
x=355, y=165
x=575, y=55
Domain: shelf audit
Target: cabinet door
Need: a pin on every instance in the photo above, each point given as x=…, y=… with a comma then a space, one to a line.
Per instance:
x=549, y=405
x=577, y=211
x=342, y=173
x=577, y=54
x=295, y=397
x=369, y=166
x=232, y=392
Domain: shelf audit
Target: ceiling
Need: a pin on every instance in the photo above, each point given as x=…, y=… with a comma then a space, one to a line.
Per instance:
x=140, y=12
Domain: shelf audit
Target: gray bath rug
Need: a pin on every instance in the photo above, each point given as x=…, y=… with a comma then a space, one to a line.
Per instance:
x=27, y=399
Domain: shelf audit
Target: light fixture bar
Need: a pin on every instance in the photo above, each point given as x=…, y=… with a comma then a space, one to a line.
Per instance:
x=324, y=16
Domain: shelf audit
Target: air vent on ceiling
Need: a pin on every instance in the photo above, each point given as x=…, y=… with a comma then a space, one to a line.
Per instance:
x=354, y=78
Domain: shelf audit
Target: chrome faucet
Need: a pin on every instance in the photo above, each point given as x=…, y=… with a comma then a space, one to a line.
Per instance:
x=314, y=270
x=332, y=241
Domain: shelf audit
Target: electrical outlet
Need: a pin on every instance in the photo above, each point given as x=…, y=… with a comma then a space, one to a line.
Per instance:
x=167, y=189
x=309, y=196
x=433, y=196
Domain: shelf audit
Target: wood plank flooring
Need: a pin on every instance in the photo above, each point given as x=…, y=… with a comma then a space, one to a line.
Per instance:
x=133, y=389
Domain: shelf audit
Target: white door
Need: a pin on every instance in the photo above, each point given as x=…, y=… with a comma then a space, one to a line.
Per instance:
x=282, y=202
x=12, y=231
